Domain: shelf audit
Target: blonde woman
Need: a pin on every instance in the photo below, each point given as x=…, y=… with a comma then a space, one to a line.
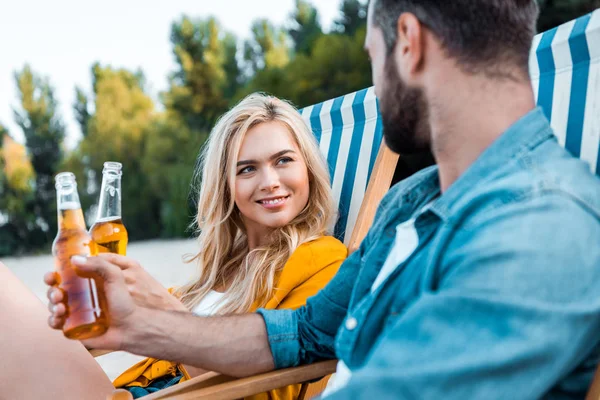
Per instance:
x=264, y=212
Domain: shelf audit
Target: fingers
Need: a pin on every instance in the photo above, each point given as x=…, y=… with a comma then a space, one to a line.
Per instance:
x=120, y=261
x=58, y=313
x=55, y=295
x=56, y=322
x=99, y=267
x=58, y=310
x=51, y=278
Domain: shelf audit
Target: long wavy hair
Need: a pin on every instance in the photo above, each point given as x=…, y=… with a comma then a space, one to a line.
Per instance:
x=224, y=259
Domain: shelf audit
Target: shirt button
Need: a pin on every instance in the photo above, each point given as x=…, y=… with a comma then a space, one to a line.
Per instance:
x=351, y=323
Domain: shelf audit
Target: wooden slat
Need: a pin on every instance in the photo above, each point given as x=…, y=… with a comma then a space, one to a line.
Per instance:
x=207, y=386
x=379, y=184
x=594, y=392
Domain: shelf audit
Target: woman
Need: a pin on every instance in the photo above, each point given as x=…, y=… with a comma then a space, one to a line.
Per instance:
x=264, y=208
x=262, y=241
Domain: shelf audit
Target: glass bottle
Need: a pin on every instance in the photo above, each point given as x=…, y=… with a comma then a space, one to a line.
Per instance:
x=108, y=232
x=87, y=315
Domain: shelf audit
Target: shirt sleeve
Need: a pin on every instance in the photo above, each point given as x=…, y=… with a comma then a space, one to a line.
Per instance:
x=307, y=334
x=515, y=310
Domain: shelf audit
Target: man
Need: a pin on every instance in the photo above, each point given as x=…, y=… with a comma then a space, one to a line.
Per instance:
x=480, y=277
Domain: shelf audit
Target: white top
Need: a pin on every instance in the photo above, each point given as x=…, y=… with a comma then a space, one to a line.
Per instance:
x=208, y=305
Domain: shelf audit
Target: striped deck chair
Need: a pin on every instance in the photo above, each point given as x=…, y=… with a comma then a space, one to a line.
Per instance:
x=565, y=71
x=349, y=132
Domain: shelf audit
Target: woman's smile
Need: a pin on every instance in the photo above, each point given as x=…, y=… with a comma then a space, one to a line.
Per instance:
x=274, y=203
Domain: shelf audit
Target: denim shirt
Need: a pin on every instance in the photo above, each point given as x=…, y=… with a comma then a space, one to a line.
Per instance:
x=499, y=300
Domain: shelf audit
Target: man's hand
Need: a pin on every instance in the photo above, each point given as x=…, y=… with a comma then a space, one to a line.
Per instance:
x=235, y=345
x=121, y=305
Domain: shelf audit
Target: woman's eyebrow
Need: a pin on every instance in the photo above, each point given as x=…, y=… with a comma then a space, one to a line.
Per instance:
x=276, y=155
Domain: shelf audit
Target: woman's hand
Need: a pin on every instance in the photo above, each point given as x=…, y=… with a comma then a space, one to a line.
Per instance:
x=146, y=291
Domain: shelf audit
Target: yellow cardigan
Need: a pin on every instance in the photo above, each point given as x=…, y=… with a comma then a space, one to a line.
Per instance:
x=308, y=270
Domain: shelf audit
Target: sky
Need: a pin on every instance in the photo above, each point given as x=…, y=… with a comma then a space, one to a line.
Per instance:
x=61, y=39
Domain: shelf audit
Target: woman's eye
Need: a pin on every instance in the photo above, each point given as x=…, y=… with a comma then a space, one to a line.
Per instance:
x=245, y=170
x=284, y=160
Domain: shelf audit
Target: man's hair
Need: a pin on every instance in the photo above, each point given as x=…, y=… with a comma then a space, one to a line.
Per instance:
x=482, y=35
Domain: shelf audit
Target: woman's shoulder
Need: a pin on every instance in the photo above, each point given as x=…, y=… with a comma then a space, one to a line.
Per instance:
x=323, y=255
x=320, y=252
x=323, y=244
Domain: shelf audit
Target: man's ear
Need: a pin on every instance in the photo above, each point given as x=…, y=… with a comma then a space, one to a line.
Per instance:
x=409, y=51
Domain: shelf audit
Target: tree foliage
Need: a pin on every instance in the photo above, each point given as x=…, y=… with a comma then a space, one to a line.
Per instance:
x=158, y=144
x=44, y=132
x=353, y=16
x=267, y=49
x=557, y=12
x=206, y=70
x=305, y=27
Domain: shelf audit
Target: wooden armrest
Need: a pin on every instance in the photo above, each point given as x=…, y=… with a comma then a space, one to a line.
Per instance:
x=214, y=386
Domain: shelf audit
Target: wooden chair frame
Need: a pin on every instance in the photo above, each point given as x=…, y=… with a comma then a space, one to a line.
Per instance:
x=214, y=386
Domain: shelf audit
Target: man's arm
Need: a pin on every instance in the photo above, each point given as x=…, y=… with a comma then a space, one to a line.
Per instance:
x=514, y=312
x=235, y=345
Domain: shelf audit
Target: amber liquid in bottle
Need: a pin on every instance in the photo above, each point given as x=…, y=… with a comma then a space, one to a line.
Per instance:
x=110, y=236
x=108, y=232
x=87, y=314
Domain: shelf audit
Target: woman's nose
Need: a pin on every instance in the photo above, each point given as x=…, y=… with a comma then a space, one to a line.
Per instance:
x=270, y=180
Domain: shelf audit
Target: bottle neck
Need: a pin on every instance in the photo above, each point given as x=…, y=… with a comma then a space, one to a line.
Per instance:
x=69, y=212
x=109, y=206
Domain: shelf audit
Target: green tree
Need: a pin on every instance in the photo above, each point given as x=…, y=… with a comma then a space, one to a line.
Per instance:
x=336, y=66
x=16, y=198
x=81, y=109
x=353, y=16
x=168, y=163
x=206, y=72
x=304, y=28
x=266, y=49
x=557, y=12
x=44, y=134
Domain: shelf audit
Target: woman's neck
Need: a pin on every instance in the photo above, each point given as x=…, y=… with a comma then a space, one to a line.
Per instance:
x=257, y=236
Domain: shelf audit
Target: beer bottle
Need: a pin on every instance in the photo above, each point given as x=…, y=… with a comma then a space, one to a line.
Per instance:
x=86, y=304
x=108, y=232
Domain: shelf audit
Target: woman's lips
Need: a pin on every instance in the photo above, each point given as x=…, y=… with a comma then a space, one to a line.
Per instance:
x=274, y=203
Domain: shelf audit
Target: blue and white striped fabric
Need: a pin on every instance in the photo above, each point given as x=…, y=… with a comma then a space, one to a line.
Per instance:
x=349, y=132
x=565, y=71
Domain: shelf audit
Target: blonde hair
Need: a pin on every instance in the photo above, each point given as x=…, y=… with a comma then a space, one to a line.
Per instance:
x=224, y=256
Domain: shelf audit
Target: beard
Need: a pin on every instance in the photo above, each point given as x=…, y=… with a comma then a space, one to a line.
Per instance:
x=404, y=114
